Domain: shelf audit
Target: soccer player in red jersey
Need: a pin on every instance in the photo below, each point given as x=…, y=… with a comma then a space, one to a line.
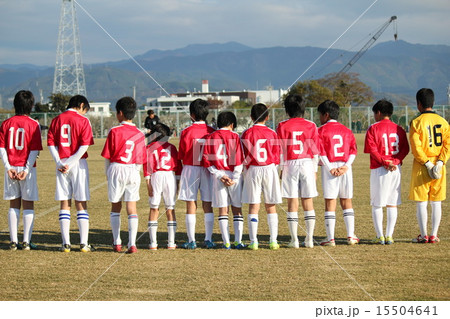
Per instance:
x=387, y=145
x=337, y=153
x=194, y=176
x=262, y=156
x=20, y=143
x=224, y=159
x=69, y=137
x=299, y=140
x=161, y=172
x=124, y=154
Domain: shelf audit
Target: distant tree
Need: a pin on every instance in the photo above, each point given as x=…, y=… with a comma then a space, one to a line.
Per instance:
x=241, y=104
x=59, y=102
x=312, y=91
x=42, y=108
x=215, y=103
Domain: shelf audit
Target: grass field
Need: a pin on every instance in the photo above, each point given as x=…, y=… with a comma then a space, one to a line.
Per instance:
x=403, y=271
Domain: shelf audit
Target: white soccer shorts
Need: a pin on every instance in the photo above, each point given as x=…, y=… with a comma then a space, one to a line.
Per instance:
x=223, y=196
x=123, y=182
x=164, y=185
x=299, y=179
x=193, y=179
x=337, y=186
x=385, y=187
x=74, y=183
x=260, y=179
x=26, y=189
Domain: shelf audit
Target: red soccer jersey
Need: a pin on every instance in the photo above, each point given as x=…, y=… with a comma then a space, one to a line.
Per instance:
x=337, y=142
x=162, y=157
x=223, y=150
x=20, y=135
x=125, y=144
x=68, y=131
x=261, y=146
x=299, y=138
x=192, y=141
x=386, y=141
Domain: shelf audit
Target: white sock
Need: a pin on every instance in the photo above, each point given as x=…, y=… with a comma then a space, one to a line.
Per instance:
x=310, y=222
x=349, y=220
x=190, y=226
x=64, y=224
x=152, y=231
x=272, y=220
x=330, y=223
x=132, y=229
x=28, y=222
x=13, y=223
x=377, y=216
x=83, y=226
x=223, y=225
x=238, y=225
x=436, y=214
x=391, y=219
x=114, y=219
x=171, y=230
x=253, y=227
x=209, y=226
x=422, y=217
x=292, y=219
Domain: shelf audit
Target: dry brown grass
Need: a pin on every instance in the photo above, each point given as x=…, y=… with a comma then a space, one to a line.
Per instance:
x=403, y=271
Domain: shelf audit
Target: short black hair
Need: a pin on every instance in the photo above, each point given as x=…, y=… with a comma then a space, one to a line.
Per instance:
x=126, y=105
x=160, y=132
x=384, y=107
x=199, y=109
x=76, y=101
x=294, y=104
x=259, y=112
x=329, y=107
x=150, y=112
x=23, y=102
x=225, y=119
x=425, y=97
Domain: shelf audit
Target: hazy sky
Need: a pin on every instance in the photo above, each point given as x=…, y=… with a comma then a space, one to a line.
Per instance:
x=29, y=28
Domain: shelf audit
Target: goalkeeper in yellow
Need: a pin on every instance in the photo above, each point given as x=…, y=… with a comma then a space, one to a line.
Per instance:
x=430, y=144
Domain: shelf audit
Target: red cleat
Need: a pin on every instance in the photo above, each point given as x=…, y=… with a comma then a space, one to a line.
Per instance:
x=434, y=239
x=132, y=250
x=117, y=248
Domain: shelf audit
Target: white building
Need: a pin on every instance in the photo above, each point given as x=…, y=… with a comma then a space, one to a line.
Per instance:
x=100, y=109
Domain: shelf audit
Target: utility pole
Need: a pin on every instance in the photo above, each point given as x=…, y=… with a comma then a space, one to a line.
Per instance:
x=69, y=73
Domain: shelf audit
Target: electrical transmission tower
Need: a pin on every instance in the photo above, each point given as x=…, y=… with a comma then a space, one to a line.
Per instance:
x=69, y=74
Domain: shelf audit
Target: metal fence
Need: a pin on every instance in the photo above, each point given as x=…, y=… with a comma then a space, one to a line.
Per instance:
x=356, y=118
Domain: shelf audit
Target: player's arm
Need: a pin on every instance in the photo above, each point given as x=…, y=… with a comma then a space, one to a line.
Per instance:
x=371, y=147
x=416, y=144
x=403, y=147
x=30, y=163
x=55, y=155
x=75, y=158
x=12, y=174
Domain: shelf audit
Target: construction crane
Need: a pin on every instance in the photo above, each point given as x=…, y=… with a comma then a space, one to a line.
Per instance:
x=370, y=43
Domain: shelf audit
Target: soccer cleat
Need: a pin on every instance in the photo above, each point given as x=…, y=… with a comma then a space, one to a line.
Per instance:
x=434, y=239
x=294, y=244
x=352, y=240
x=153, y=246
x=226, y=246
x=117, y=248
x=209, y=244
x=330, y=242
x=25, y=246
x=421, y=239
x=378, y=240
x=389, y=240
x=132, y=250
x=191, y=245
x=308, y=244
x=65, y=248
x=32, y=246
x=273, y=245
x=253, y=246
x=171, y=246
x=86, y=248
x=13, y=246
x=237, y=245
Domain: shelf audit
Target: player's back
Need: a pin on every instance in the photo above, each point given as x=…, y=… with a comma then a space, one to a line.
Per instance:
x=68, y=131
x=260, y=145
x=19, y=135
x=161, y=156
x=223, y=150
x=337, y=142
x=192, y=141
x=299, y=138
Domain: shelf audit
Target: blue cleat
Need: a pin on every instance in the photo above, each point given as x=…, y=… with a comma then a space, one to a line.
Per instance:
x=226, y=246
x=190, y=245
x=209, y=244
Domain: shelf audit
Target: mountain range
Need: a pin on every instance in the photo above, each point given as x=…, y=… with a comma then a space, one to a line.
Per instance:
x=394, y=69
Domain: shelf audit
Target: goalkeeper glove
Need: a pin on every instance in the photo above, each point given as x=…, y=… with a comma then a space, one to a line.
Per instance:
x=430, y=167
x=437, y=169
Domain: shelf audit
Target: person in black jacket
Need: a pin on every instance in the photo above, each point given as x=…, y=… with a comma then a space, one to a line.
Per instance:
x=150, y=121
